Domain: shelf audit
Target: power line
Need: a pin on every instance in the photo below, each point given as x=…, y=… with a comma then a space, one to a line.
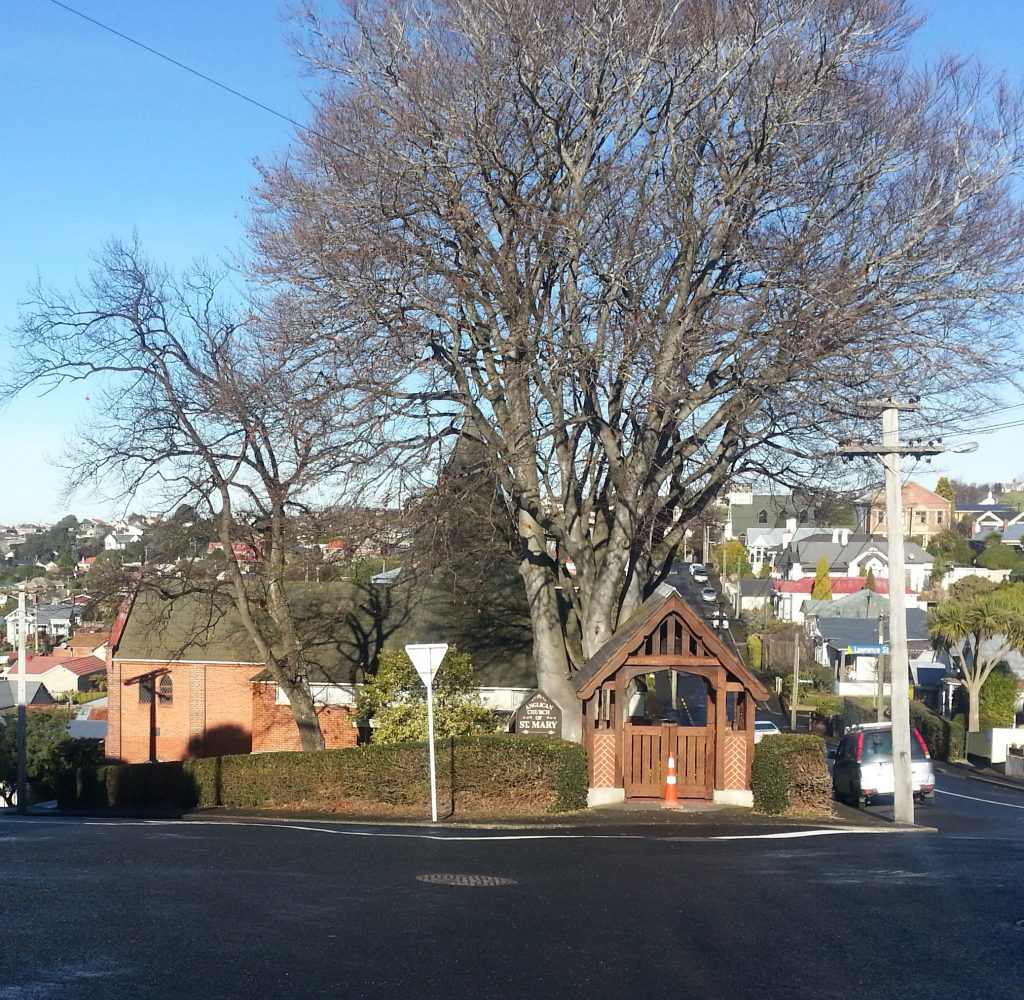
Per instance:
x=987, y=429
x=186, y=68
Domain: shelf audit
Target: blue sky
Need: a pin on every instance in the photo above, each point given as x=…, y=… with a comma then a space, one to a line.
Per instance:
x=100, y=138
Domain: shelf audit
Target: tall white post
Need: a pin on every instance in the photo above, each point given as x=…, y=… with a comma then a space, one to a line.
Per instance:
x=22, y=702
x=426, y=658
x=430, y=752
x=899, y=668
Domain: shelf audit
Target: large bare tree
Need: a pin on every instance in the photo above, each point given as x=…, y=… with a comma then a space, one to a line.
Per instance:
x=634, y=248
x=236, y=415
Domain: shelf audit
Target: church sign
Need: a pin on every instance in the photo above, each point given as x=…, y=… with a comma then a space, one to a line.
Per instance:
x=539, y=716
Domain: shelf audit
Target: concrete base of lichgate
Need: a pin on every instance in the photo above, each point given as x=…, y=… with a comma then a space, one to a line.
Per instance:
x=605, y=796
x=733, y=797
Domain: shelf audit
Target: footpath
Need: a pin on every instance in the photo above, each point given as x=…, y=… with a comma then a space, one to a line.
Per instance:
x=979, y=772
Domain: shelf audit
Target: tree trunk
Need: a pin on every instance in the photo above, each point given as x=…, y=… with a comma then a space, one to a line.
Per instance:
x=973, y=707
x=310, y=735
x=549, y=653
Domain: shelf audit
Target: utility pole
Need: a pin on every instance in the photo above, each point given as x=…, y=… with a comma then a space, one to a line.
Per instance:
x=22, y=701
x=880, y=692
x=891, y=452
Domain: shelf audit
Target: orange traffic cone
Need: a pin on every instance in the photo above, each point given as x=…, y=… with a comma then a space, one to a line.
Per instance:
x=671, y=791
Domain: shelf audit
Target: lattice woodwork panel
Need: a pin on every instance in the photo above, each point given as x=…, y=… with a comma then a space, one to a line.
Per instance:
x=736, y=760
x=602, y=764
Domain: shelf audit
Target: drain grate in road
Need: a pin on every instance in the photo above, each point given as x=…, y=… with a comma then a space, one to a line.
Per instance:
x=450, y=879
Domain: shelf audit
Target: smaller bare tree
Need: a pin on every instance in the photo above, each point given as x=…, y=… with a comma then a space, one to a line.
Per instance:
x=232, y=412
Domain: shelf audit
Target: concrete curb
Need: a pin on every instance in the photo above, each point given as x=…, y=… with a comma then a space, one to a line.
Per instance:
x=657, y=822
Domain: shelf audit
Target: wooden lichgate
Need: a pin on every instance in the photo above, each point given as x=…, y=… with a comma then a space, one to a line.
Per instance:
x=630, y=727
x=645, y=759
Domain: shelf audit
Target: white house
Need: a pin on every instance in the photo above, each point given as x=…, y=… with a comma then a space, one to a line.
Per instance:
x=852, y=555
x=55, y=621
x=118, y=541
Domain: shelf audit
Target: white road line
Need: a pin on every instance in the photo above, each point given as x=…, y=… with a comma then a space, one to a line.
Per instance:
x=972, y=798
x=483, y=838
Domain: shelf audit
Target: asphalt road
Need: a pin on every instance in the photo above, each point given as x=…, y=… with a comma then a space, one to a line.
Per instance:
x=966, y=807
x=107, y=908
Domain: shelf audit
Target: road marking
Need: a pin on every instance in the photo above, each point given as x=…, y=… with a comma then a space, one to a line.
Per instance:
x=483, y=838
x=991, y=802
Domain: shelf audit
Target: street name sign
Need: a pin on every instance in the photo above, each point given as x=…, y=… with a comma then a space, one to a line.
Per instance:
x=868, y=650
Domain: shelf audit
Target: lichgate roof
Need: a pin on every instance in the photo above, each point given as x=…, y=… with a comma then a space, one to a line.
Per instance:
x=646, y=621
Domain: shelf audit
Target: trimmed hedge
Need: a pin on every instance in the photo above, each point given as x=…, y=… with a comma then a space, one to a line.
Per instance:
x=476, y=775
x=789, y=774
x=944, y=738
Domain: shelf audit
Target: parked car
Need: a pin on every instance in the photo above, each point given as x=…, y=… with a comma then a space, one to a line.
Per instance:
x=698, y=572
x=763, y=728
x=709, y=594
x=862, y=765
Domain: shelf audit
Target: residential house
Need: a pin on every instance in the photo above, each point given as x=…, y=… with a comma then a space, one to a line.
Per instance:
x=862, y=603
x=765, y=545
x=747, y=510
x=335, y=549
x=792, y=597
x=925, y=513
x=755, y=596
x=91, y=530
x=24, y=530
x=849, y=554
x=987, y=516
x=849, y=647
x=62, y=674
x=51, y=621
x=118, y=541
x=1012, y=534
x=88, y=641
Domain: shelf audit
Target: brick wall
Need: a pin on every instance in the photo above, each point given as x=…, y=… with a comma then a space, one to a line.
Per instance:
x=209, y=712
x=273, y=725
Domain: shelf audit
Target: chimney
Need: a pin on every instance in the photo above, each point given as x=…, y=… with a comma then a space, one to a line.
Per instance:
x=844, y=536
x=835, y=536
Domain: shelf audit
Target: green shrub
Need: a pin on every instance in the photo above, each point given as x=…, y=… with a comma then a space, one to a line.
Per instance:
x=944, y=738
x=997, y=704
x=789, y=772
x=826, y=705
x=754, y=648
x=482, y=775
x=397, y=700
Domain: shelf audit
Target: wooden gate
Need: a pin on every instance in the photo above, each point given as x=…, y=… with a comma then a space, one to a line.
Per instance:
x=645, y=751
